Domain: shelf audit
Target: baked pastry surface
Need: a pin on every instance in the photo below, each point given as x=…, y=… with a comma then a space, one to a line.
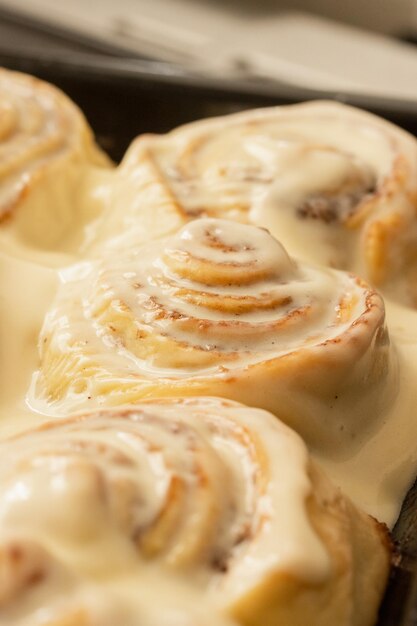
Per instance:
x=323, y=172
x=221, y=309
x=222, y=498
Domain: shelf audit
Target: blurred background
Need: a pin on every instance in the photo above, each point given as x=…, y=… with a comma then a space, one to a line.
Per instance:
x=358, y=46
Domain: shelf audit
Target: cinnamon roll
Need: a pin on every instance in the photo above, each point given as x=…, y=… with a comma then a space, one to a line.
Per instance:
x=339, y=177
x=221, y=309
x=220, y=498
x=46, y=148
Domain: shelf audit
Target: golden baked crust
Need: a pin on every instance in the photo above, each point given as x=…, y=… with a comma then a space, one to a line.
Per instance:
x=216, y=496
x=220, y=309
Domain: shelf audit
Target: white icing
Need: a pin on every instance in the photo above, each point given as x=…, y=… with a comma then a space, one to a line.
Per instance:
x=278, y=307
x=207, y=489
x=325, y=179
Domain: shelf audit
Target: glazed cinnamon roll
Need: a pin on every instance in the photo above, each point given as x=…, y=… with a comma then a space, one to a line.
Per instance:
x=220, y=498
x=221, y=309
x=340, y=178
x=46, y=146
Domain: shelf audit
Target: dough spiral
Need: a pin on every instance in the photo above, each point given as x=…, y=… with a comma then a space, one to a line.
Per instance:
x=220, y=309
x=221, y=497
x=46, y=148
x=337, y=176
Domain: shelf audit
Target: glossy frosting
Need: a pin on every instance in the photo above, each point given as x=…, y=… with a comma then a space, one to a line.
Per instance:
x=322, y=172
x=218, y=496
x=220, y=308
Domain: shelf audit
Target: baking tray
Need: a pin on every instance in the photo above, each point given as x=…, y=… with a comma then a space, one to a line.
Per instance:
x=123, y=97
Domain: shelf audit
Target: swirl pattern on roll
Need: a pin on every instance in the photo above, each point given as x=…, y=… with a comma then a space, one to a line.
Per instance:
x=219, y=497
x=220, y=309
x=341, y=177
x=46, y=146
